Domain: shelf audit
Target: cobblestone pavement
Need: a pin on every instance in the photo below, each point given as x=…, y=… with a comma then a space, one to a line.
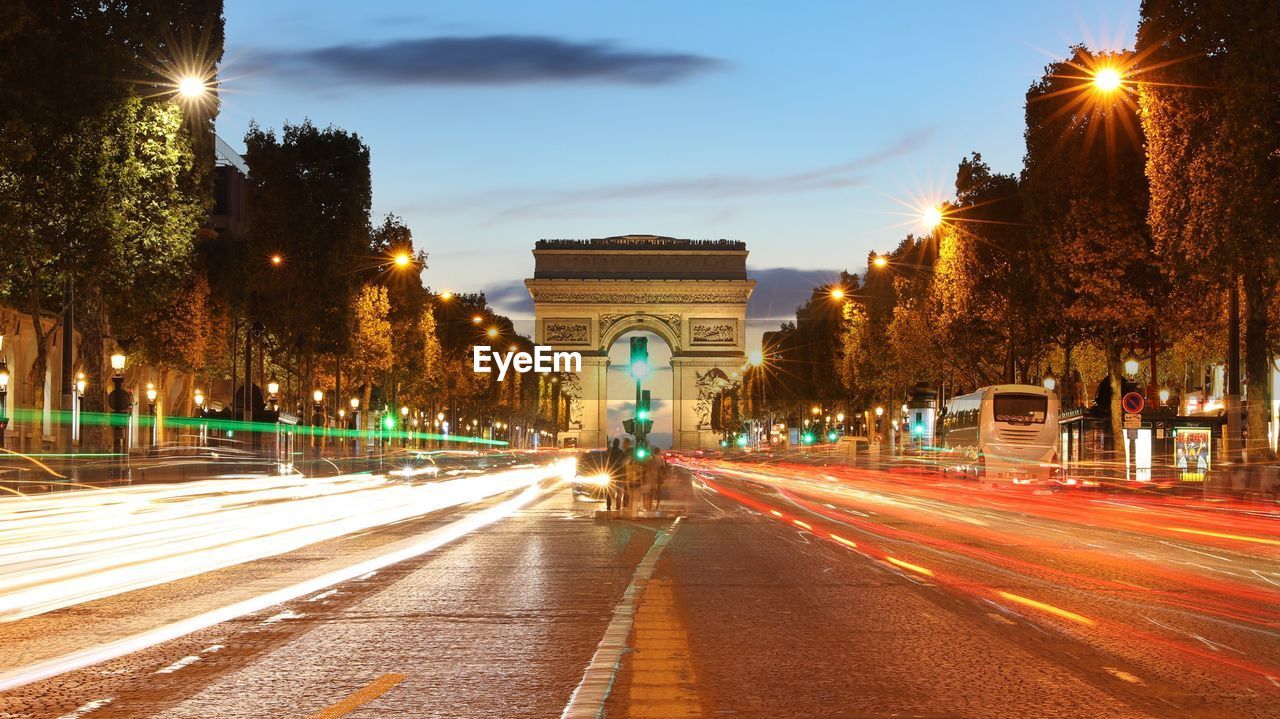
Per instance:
x=745, y=615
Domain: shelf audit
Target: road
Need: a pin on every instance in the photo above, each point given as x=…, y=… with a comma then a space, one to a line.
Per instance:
x=781, y=591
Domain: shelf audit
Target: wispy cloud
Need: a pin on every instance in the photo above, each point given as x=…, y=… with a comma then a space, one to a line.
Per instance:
x=487, y=60
x=534, y=203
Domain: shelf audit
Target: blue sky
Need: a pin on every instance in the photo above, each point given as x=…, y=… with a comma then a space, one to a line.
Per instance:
x=806, y=129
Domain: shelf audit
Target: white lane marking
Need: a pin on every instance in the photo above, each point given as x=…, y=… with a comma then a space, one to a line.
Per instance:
x=282, y=616
x=1123, y=675
x=183, y=662
x=366, y=575
x=323, y=595
x=214, y=648
x=1197, y=551
x=587, y=700
x=86, y=708
x=399, y=552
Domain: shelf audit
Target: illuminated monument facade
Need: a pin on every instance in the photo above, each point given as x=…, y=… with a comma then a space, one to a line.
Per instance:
x=691, y=293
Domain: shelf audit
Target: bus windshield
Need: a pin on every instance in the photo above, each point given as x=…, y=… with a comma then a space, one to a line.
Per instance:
x=1020, y=408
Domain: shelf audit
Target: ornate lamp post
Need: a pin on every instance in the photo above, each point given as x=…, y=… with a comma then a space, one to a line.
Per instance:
x=273, y=394
x=151, y=412
x=119, y=401
x=4, y=398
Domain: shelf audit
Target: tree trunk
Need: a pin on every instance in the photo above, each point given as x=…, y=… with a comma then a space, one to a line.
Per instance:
x=39, y=367
x=1257, y=295
x=95, y=435
x=1115, y=370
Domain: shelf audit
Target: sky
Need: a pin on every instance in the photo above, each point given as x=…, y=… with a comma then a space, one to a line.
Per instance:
x=810, y=130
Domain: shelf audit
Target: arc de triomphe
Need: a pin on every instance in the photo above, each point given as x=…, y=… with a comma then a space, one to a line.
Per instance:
x=691, y=293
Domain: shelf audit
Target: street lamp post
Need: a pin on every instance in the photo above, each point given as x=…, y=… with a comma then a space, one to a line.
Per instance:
x=4, y=398
x=198, y=398
x=151, y=412
x=119, y=401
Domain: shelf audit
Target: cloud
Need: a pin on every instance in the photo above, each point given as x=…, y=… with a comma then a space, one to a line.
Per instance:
x=490, y=60
x=535, y=203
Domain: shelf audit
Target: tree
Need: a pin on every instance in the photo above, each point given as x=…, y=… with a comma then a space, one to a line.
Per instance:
x=94, y=180
x=309, y=198
x=1087, y=199
x=1206, y=80
x=371, y=351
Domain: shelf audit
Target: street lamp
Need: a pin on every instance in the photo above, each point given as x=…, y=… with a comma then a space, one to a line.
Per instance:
x=1107, y=79
x=1164, y=395
x=477, y=319
x=277, y=260
x=1131, y=366
x=931, y=217
x=492, y=332
x=837, y=293
x=402, y=259
x=4, y=398
x=119, y=401
x=1049, y=382
x=446, y=295
x=879, y=411
x=151, y=411
x=273, y=390
x=880, y=261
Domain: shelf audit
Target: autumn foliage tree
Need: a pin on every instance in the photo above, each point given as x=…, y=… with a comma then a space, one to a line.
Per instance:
x=1087, y=201
x=1205, y=76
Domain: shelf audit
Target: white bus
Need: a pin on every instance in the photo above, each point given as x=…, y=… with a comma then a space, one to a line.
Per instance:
x=1002, y=433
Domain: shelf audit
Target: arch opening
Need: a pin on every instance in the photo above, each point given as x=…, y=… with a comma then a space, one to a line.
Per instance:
x=621, y=389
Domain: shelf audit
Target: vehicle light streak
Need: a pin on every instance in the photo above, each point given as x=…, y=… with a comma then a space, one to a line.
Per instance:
x=62, y=549
x=1057, y=612
x=399, y=552
x=909, y=566
x=1220, y=535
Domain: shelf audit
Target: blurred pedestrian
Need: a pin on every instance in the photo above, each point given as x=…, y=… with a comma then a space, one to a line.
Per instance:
x=617, y=469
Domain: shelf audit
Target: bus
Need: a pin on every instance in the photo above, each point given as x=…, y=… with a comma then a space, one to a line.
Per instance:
x=1003, y=433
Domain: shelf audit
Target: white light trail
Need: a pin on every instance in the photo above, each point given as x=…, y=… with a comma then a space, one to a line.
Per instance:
x=399, y=552
x=63, y=549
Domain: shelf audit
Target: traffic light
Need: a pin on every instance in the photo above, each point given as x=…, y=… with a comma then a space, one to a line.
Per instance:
x=639, y=357
x=644, y=414
x=641, y=453
x=629, y=426
x=807, y=438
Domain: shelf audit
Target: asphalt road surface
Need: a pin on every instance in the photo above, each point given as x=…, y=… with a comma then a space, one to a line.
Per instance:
x=782, y=591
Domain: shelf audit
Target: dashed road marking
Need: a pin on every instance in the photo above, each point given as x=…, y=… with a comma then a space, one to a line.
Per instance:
x=1123, y=675
x=282, y=616
x=86, y=708
x=181, y=663
x=323, y=595
x=364, y=695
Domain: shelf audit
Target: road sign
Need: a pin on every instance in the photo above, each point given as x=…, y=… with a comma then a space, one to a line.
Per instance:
x=1132, y=420
x=1132, y=402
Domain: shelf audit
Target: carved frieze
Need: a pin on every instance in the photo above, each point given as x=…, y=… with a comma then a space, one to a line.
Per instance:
x=566, y=331
x=713, y=331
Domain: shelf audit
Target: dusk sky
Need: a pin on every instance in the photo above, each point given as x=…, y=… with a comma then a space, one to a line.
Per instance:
x=806, y=130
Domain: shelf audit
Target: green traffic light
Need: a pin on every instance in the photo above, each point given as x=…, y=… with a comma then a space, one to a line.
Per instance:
x=389, y=422
x=742, y=440
x=807, y=438
x=641, y=453
x=642, y=414
x=831, y=436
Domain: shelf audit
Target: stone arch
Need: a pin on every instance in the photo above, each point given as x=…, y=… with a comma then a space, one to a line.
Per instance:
x=691, y=293
x=665, y=327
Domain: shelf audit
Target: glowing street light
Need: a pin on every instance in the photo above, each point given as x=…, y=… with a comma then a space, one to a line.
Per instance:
x=192, y=87
x=318, y=396
x=492, y=331
x=273, y=387
x=837, y=293
x=1131, y=366
x=277, y=260
x=199, y=398
x=879, y=411
x=403, y=259
x=1049, y=382
x=355, y=403
x=446, y=295
x=880, y=261
x=477, y=319
x=756, y=358
x=1107, y=79
x=932, y=217
x=117, y=362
